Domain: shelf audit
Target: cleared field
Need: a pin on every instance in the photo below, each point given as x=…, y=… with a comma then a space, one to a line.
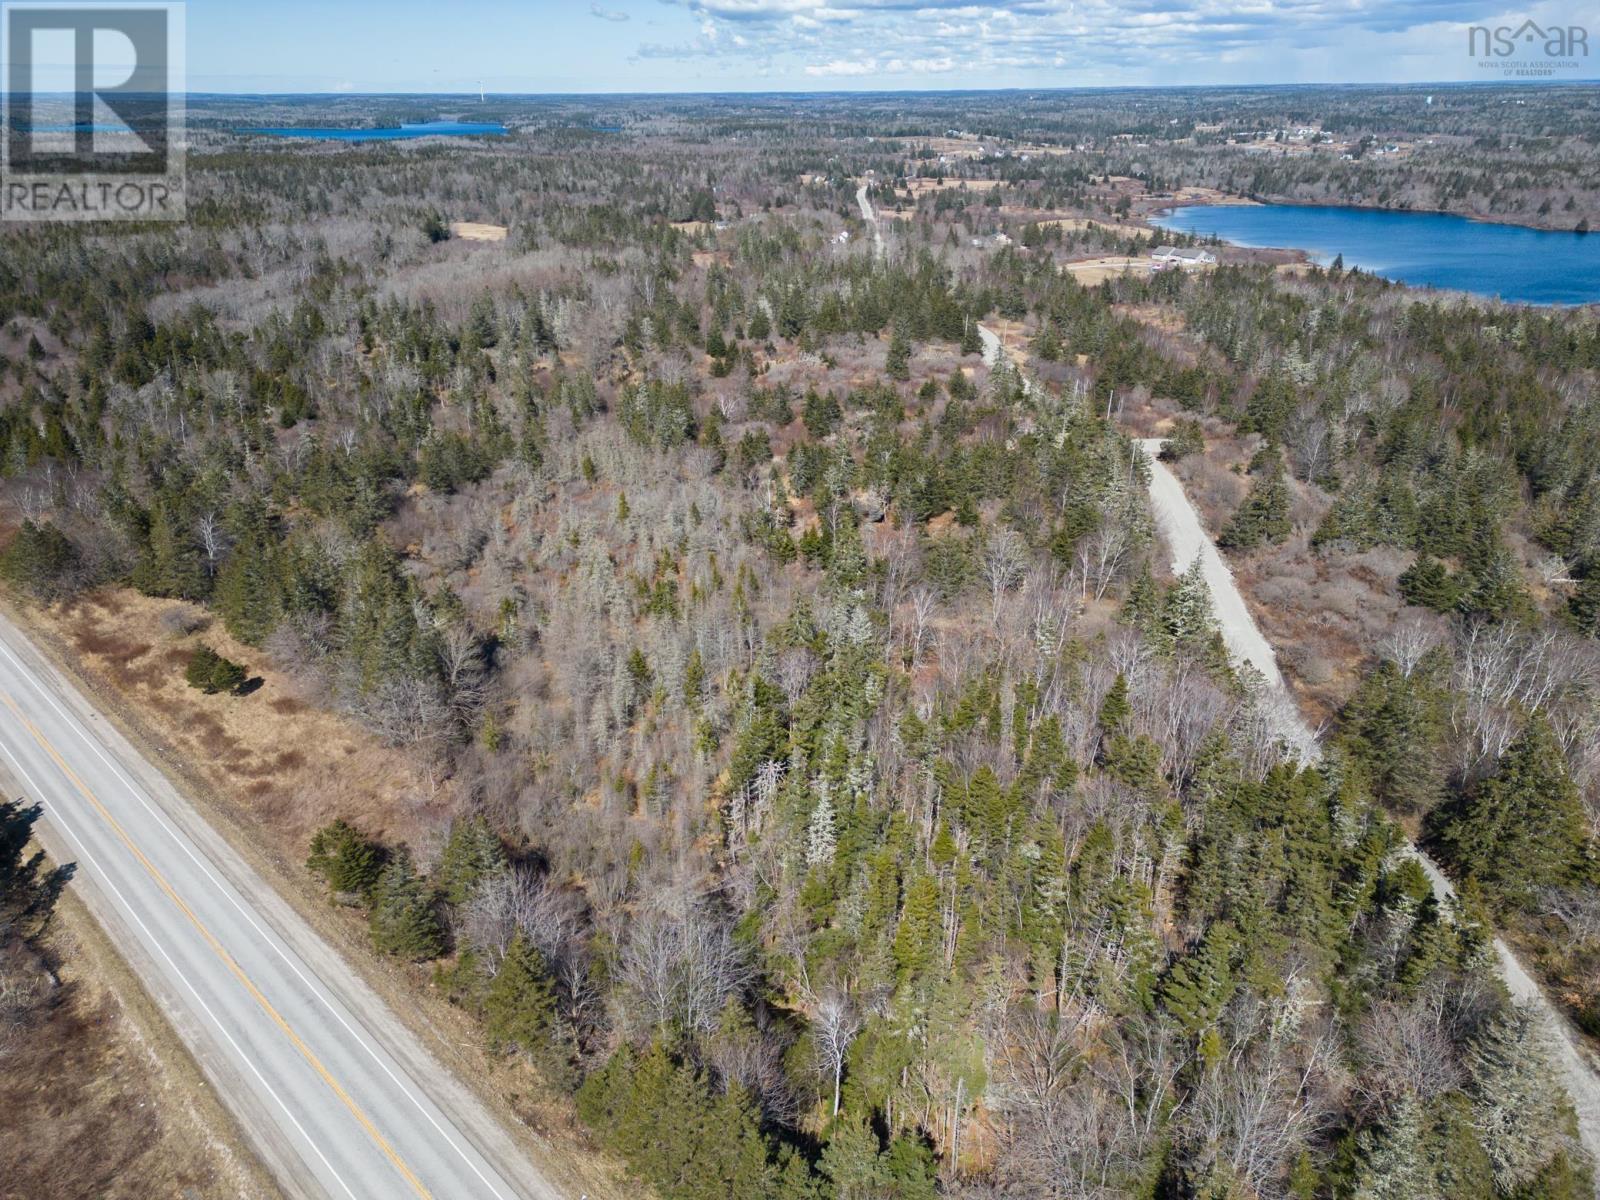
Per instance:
x=921, y=187
x=1081, y=224
x=1097, y=270
x=477, y=231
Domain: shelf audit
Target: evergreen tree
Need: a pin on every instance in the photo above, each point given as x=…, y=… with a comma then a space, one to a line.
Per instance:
x=28, y=892
x=1115, y=709
x=520, y=1006
x=1187, y=438
x=851, y=1162
x=1515, y=1097
x=1188, y=616
x=1585, y=600
x=209, y=672
x=821, y=835
x=897, y=363
x=249, y=593
x=1394, y=728
x=1263, y=517
x=346, y=858
x=694, y=678
x=403, y=920
x=916, y=938
x=1428, y=583
x=1522, y=827
x=472, y=853
x=169, y=562
x=1393, y=1158
x=1200, y=985
x=40, y=560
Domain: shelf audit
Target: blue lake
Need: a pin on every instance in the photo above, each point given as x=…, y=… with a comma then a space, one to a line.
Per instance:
x=392, y=134
x=1527, y=266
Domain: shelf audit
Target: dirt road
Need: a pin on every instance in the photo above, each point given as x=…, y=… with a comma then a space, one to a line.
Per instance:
x=1180, y=526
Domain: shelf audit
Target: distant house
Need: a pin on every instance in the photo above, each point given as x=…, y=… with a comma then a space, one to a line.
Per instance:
x=1182, y=256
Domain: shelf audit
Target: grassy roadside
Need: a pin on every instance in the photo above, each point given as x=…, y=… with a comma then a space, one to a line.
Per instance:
x=112, y=648
x=102, y=1098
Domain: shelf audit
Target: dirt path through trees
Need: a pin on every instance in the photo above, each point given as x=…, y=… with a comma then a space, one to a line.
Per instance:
x=1186, y=538
x=1180, y=525
x=871, y=218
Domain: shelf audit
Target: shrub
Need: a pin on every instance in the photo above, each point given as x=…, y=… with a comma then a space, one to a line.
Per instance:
x=210, y=673
x=40, y=561
x=345, y=857
x=1187, y=438
x=404, y=920
x=1263, y=518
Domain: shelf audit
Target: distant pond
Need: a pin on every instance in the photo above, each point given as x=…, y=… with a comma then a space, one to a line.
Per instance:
x=1526, y=266
x=391, y=134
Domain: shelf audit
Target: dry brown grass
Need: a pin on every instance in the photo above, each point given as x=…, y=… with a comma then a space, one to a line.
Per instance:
x=477, y=231
x=922, y=187
x=1085, y=225
x=248, y=746
x=267, y=769
x=101, y=1101
x=1091, y=271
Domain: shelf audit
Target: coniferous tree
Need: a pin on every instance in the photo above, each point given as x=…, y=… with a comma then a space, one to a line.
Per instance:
x=169, y=562
x=345, y=857
x=1115, y=709
x=851, y=1162
x=1428, y=583
x=1522, y=827
x=916, y=937
x=1585, y=601
x=1263, y=517
x=248, y=588
x=40, y=560
x=472, y=853
x=519, y=1005
x=897, y=364
x=1393, y=1157
x=1394, y=728
x=1198, y=986
x=28, y=892
x=403, y=919
x=1515, y=1099
x=1188, y=616
x=210, y=672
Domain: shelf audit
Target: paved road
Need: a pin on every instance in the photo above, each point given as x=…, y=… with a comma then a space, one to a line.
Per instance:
x=1179, y=523
x=339, y=1099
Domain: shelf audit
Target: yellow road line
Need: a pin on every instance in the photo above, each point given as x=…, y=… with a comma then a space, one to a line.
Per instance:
x=222, y=953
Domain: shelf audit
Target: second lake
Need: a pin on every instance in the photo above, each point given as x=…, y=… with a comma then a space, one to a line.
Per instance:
x=1527, y=266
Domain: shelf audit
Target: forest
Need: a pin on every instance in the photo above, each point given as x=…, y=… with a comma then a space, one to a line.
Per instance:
x=827, y=790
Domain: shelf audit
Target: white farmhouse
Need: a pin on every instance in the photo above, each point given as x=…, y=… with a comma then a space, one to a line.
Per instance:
x=1182, y=256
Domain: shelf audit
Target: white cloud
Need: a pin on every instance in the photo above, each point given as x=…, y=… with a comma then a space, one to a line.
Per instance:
x=1045, y=42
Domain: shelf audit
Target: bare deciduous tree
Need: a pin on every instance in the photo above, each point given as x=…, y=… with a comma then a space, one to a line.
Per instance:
x=834, y=1026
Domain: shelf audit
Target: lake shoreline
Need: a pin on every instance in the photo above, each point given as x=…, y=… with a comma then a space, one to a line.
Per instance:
x=1231, y=200
x=1447, y=252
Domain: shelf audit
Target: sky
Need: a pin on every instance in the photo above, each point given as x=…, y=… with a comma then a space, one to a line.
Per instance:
x=519, y=46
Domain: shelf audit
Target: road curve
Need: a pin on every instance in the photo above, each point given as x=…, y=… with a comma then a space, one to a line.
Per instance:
x=339, y=1099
